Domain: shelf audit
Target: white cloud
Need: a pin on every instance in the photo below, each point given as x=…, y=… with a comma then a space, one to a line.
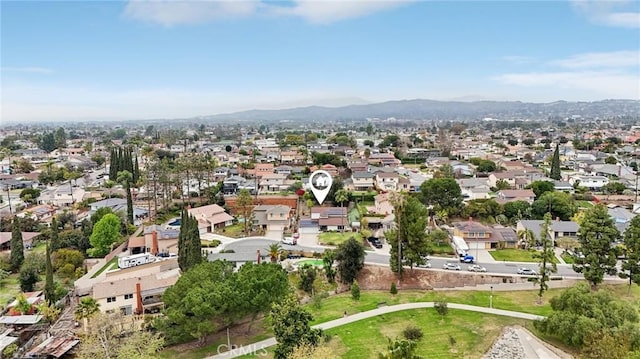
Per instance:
x=619, y=13
x=175, y=12
x=614, y=59
x=328, y=11
x=31, y=70
x=604, y=84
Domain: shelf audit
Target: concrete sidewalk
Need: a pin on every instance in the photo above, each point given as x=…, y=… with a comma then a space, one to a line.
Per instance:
x=261, y=345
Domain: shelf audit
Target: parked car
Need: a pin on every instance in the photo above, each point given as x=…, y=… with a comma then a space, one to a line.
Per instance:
x=526, y=271
x=289, y=240
x=452, y=266
x=466, y=258
x=476, y=268
x=375, y=242
x=427, y=264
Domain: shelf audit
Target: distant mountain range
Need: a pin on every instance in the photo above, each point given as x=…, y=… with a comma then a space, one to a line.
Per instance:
x=442, y=110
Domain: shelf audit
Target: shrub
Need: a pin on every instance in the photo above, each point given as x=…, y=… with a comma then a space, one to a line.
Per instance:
x=412, y=333
x=441, y=308
x=355, y=291
x=393, y=289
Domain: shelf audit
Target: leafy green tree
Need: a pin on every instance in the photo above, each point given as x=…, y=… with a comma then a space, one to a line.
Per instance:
x=555, y=172
x=17, y=246
x=244, y=203
x=559, y=204
x=47, y=142
x=445, y=171
x=614, y=187
x=394, y=288
x=261, y=285
x=189, y=244
x=291, y=326
x=442, y=193
x=597, y=234
x=307, y=274
x=350, y=258
x=631, y=263
x=411, y=220
x=202, y=301
x=49, y=285
x=60, y=138
x=541, y=187
x=502, y=184
x=517, y=210
x=482, y=209
x=328, y=258
x=611, y=160
x=545, y=257
x=28, y=278
x=105, y=233
x=579, y=313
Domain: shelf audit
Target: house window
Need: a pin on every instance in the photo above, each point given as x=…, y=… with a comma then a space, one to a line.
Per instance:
x=111, y=299
x=128, y=296
x=281, y=215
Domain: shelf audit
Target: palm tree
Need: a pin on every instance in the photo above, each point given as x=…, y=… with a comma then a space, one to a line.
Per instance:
x=341, y=196
x=85, y=310
x=526, y=237
x=274, y=252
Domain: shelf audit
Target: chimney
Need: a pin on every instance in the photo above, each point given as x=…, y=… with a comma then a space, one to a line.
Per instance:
x=138, y=299
x=259, y=258
x=470, y=219
x=154, y=243
x=557, y=219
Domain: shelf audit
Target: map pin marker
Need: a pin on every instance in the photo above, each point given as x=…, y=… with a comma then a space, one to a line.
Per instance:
x=320, y=182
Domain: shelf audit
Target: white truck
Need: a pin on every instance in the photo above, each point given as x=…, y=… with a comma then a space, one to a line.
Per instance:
x=136, y=260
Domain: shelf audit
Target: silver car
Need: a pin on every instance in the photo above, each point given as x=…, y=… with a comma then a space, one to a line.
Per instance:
x=452, y=266
x=526, y=271
x=476, y=268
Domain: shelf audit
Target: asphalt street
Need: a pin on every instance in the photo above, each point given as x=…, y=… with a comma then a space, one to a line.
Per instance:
x=251, y=244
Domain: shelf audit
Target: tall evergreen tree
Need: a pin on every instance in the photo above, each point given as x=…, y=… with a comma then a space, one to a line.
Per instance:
x=49, y=286
x=125, y=177
x=555, y=173
x=631, y=264
x=597, y=233
x=546, y=257
x=17, y=246
x=189, y=246
x=54, y=238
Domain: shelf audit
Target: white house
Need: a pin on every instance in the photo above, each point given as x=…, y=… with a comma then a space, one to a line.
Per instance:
x=593, y=182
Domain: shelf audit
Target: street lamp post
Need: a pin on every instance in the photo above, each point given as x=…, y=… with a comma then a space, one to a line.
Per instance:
x=491, y=298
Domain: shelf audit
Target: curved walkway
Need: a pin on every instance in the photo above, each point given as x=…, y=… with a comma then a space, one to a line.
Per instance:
x=259, y=346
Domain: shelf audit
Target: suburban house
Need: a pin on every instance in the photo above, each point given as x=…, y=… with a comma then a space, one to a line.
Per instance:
x=591, y=182
x=27, y=239
x=273, y=182
x=291, y=158
x=475, y=234
x=362, y=180
x=136, y=290
x=119, y=205
x=621, y=217
x=510, y=195
x=239, y=259
x=211, y=217
x=330, y=218
x=383, y=159
x=272, y=217
x=474, y=188
x=382, y=205
x=389, y=181
x=62, y=195
x=155, y=240
x=558, y=229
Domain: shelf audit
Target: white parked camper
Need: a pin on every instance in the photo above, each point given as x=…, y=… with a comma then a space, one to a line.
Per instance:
x=136, y=260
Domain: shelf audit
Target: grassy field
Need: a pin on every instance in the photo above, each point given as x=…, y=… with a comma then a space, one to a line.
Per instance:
x=515, y=255
x=362, y=207
x=473, y=332
x=443, y=248
x=113, y=263
x=584, y=204
x=9, y=289
x=337, y=238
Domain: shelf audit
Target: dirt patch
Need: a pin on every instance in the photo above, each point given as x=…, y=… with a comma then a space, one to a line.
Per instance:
x=380, y=278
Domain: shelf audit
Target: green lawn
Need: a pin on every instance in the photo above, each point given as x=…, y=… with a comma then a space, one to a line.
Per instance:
x=362, y=207
x=515, y=255
x=568, y=258
x=584, y=204
x=235, y=231
x=9, y=289
x=112, y=264
x=443, y=248
x=337, y=238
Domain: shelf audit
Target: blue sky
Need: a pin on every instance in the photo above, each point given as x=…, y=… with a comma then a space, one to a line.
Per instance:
x=165, y=59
